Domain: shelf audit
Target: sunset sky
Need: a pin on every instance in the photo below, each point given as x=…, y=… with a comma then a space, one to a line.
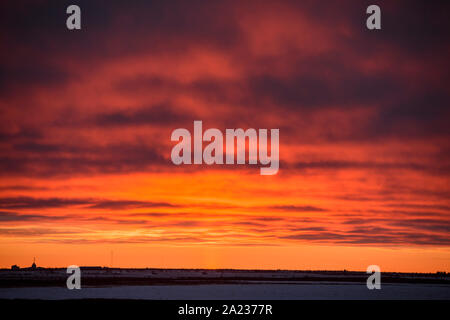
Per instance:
x=86, y=118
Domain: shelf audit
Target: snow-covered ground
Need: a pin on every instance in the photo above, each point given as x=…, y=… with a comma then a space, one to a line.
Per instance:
x=48, y=274
x=200, y=284
x=265, y=291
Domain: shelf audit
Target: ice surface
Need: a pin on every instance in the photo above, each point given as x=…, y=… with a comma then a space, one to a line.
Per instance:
x=236, y=292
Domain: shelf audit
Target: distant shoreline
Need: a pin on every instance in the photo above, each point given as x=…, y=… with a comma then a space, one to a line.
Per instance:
x=101, y=276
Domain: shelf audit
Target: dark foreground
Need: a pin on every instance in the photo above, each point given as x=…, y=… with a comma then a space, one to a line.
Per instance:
x=256, y=290
x=221, y=310
x=201, y=284
x=97, y=276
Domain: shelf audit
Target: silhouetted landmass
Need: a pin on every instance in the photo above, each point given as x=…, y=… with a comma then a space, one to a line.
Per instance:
x=99, y=276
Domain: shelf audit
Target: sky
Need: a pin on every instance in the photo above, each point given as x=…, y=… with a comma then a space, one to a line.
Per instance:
x=86, y=117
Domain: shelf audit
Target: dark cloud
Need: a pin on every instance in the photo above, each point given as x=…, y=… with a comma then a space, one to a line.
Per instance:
x=31, y=76
x=295, y=208
x=363, y=238
x=16, y=217
x=364, y=165
x=44, y=159
x=401, y=107
x=156, y=115
x=423, y=206
x=129, y=204
x=22, y=134
x=38, y=203
x=321, y=83
x=431, y=225
x=41, y=203
x=422, y=115
x=35, y=232
x=22, y=188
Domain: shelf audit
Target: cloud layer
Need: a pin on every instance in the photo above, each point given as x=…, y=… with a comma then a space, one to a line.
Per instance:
x=86, y=118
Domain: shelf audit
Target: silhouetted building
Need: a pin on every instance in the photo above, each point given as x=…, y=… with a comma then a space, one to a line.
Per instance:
x=15, y=267
x=93, y=268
